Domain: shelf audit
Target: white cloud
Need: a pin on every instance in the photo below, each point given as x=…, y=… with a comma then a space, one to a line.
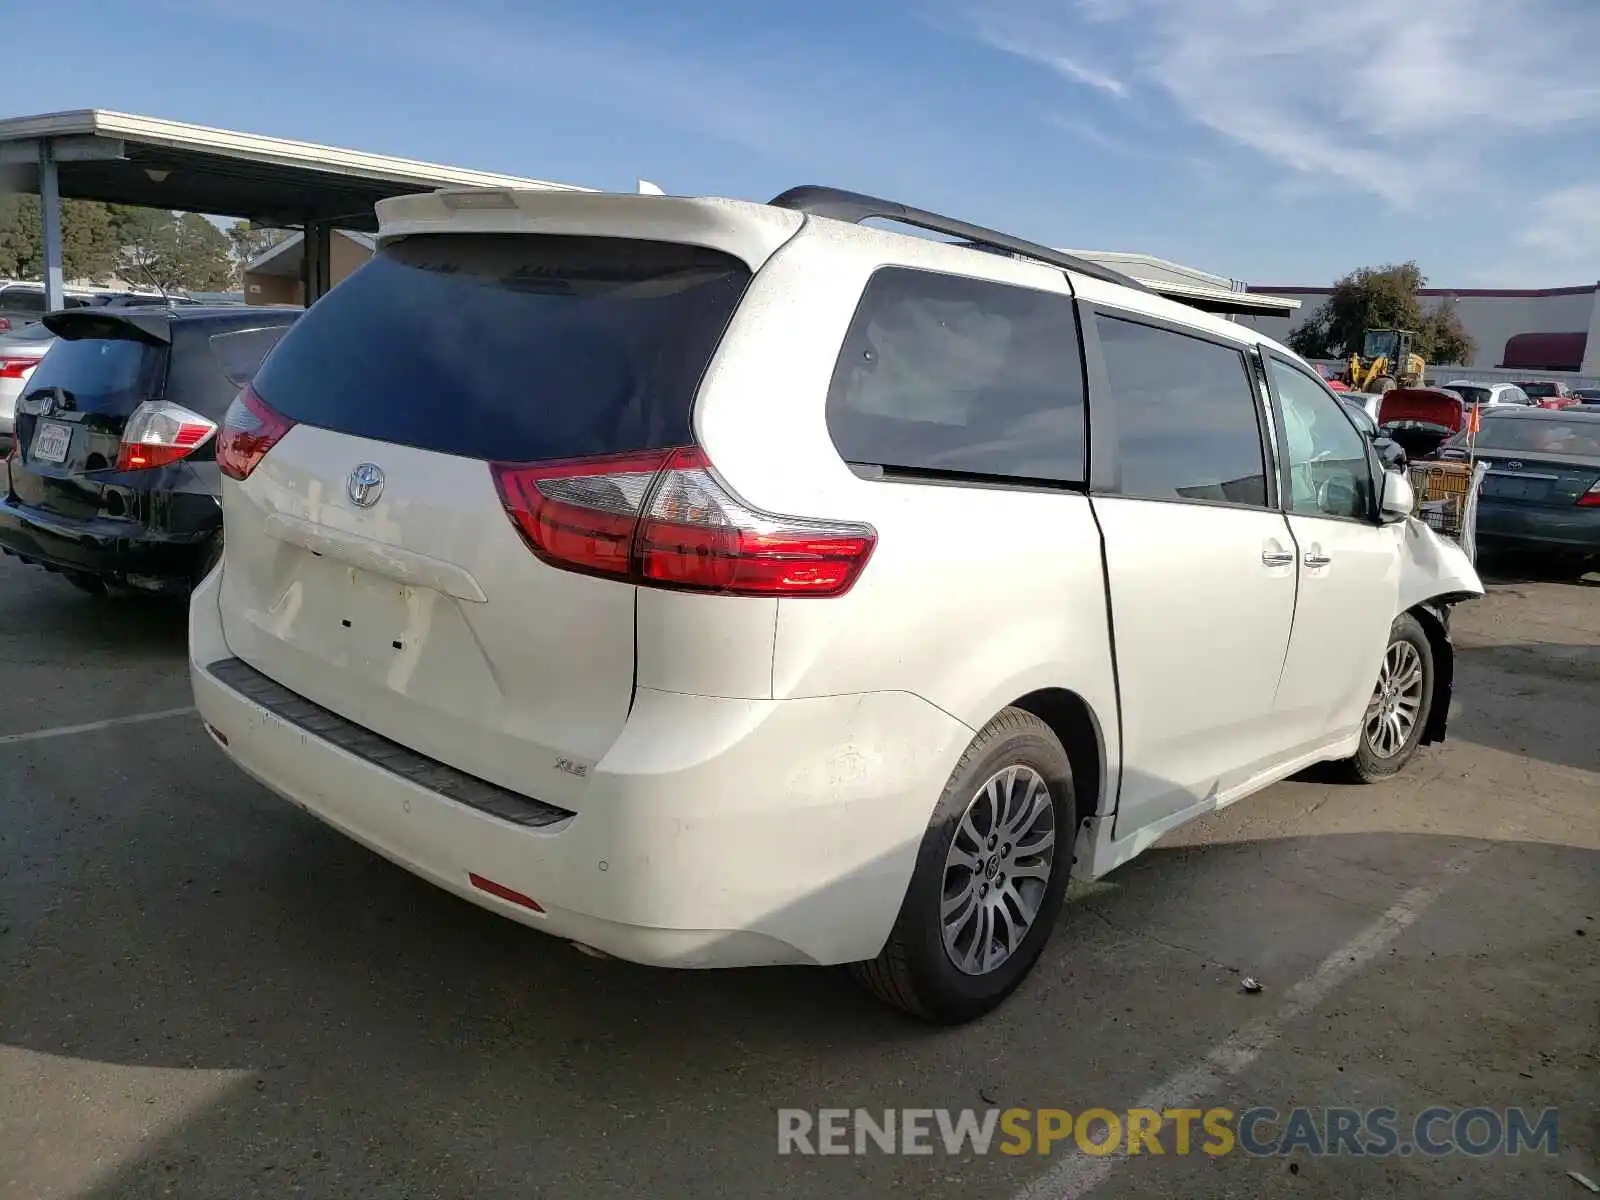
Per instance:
x=1016, y=38
x=1087, y=131
x=1391, y=99
x=1563, y=229
x=1087, y=76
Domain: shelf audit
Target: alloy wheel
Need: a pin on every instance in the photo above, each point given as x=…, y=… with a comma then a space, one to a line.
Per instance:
x=997, y=869
x=1396, y=701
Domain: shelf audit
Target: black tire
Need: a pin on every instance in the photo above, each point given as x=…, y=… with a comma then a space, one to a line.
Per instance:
x=1368, y=764
x=914, y=972
x=1382, y=384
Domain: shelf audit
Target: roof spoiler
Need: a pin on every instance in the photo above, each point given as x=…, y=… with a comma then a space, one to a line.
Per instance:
x=128, y=324
x=854, y=207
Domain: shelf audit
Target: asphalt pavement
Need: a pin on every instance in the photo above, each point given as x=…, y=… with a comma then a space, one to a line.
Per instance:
x=204, y=992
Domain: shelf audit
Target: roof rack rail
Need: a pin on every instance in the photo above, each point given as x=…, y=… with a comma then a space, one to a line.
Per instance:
x=854, y=207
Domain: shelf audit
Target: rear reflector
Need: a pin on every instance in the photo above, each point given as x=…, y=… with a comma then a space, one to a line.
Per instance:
x=159, y=433
x=249, y=429
x=664, y=519
x=502, y=892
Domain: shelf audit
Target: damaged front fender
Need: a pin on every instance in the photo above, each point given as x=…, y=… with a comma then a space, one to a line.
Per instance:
x=1433, y=569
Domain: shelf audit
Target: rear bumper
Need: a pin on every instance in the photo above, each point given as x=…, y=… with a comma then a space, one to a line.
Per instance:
x=1573, y=530
x=714, y=833
x=124, y=551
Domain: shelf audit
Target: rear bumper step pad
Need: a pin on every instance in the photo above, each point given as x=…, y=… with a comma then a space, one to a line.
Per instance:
x=429, y=773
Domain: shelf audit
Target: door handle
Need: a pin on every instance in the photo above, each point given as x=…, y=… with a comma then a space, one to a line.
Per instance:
x=1317, y=560
x=1277, y=558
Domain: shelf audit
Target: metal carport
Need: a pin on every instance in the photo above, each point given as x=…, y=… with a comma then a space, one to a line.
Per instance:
x=119, y=158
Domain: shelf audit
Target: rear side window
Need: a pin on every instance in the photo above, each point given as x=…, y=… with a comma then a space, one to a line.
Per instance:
x=516, y=347
x=208, y=367
x=240, y=351
x=1187, y=418
x=941, y=373
x=101, y=375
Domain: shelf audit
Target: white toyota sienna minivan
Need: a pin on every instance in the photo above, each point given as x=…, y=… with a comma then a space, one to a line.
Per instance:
x=718, y=584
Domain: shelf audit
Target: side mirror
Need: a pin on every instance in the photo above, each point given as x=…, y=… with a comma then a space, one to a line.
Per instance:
x=1398, y=498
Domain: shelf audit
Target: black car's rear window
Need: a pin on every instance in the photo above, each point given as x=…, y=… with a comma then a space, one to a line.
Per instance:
x=1534, y=436
x=516, y=347
x=101, y=375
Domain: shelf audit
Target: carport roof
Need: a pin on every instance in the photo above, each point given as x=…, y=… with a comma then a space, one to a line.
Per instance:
x=1202, y=289
x=126, y=159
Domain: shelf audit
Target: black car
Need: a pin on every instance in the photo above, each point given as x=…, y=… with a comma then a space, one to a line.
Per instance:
x=113, y=475
x=1542, y=492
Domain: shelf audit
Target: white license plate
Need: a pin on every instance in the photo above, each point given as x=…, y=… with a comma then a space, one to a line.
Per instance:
x=50, y=441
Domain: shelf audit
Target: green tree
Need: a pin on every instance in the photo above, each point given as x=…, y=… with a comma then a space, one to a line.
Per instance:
x=1383, y=297
x=88, y=239
x=250, y=240
x=173, y=251
x=1442, y=336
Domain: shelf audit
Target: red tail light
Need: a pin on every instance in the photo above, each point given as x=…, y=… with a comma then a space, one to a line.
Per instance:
x=5, y=324
x=16, y=368
x=159, y=433
x=249, y=429
x=664, y=519
x=1591, y=498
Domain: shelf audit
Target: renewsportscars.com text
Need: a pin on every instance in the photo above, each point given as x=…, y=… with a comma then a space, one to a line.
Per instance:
x=1258, y=1131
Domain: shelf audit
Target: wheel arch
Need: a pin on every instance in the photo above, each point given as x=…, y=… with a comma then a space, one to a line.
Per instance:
x=1075, y=724
x=1434, y=617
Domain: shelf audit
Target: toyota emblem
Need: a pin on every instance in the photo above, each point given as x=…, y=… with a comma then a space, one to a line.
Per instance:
x=366, y=485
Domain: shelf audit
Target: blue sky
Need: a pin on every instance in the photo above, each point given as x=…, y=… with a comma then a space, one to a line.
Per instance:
x=1278, y=141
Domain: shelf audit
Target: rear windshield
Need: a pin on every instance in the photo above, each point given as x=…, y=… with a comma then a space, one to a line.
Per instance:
x=517, y=347
x=1534, y=388
x=1581, y=438
x=1472, y=395
x=101, y=375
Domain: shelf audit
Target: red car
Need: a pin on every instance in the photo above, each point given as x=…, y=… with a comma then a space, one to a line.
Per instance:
x=1330, y=376
x=1549, y=393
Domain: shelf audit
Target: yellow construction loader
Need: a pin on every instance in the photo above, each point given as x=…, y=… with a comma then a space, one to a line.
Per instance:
x=1386, y=362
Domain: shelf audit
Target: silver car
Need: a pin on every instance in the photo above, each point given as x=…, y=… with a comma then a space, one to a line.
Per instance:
x=20, y=352
x=1490, y=395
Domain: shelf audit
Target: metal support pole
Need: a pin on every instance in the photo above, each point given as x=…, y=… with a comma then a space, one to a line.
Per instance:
x=308, y=269
x=50, y=210
x=317, y=275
